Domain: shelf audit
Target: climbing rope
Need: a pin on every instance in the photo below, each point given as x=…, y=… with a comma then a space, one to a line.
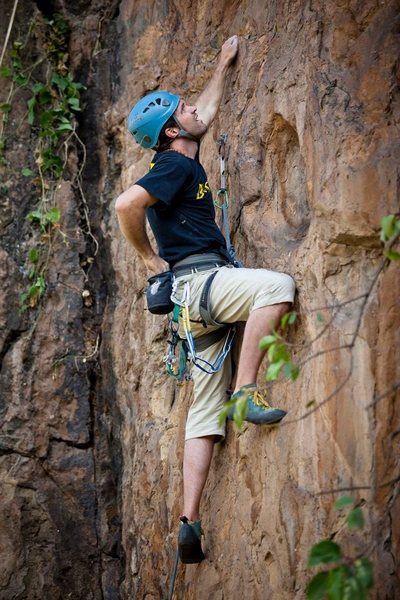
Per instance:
x=173, y=576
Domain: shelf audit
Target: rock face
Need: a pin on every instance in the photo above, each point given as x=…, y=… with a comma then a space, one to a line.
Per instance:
x=91, y=428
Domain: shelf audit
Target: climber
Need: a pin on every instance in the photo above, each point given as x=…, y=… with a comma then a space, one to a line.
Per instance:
x=176, y=198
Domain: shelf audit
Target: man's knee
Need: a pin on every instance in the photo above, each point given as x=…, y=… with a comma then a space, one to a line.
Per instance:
x=287, y=286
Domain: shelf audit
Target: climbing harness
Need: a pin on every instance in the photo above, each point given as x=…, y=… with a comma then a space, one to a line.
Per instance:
x=180, y=350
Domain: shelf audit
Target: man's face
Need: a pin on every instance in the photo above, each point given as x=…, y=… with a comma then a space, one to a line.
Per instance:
x=189, y=120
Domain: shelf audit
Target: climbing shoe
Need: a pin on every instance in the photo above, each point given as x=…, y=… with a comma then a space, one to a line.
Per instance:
x=258, y=410
x=189, y=541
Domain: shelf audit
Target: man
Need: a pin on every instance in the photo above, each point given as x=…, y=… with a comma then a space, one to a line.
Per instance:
x=175, y=197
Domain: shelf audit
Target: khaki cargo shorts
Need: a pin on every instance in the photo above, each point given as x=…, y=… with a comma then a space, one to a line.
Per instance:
x=235, y=293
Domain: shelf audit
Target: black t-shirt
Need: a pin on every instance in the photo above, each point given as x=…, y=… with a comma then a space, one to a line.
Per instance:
x=183, y=220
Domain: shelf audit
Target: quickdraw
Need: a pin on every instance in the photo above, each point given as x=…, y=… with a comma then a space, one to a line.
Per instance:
x=222, y=200
x=176, y=358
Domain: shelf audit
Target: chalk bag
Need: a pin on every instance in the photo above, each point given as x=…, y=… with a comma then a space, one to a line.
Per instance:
x=158, y=293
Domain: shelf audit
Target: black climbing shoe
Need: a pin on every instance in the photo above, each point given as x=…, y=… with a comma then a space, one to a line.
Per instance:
x=189, y=541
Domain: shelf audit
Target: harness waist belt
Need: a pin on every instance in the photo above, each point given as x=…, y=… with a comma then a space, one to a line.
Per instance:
x=198, y=262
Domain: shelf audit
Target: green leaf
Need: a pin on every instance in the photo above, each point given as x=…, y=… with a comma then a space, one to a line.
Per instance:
x=31, y=106
x=33, y=255
x=267, y=341
x=40, y=284
x=5, y=107
x=364, y=572
x=23, y=307
x=288, y=318
x=320, y=318
x=44, y=96
x=223, y=415
x=273, y=370
x=344, y=501
x=38, y=87
x=60, y=82
x=392, y=255
x=278, y=352
x=47, y=118
x=35, y=215
x=26, y=172
x=387, y=227
x=21, y=80
x=317, y=588
x=65, y=127
x=240, y=411
x=291, y=371
x=284, y=320
x=336, y=579
x=74, y=103
x=53, y=215
x=324, y=552
x=354, y=590
x=310, y=403
x=5, y=72
x=355, y=519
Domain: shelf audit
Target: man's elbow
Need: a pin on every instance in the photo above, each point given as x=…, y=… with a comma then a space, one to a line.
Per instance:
x=136, y=199
x=123, y=204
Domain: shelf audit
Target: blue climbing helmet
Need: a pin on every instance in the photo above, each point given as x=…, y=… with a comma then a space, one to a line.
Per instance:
x=149, y=115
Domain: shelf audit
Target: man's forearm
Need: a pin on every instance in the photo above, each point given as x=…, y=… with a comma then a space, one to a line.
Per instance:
x=210, y=98
x=133, y=226
x=131, y=211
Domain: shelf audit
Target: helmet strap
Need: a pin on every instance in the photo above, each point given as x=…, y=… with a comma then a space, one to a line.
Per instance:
x=184, y=134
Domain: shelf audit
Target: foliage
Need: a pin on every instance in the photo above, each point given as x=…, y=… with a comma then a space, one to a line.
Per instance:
x=51, y=112
x=278, y=353
x=390, y=232
x=347, y=579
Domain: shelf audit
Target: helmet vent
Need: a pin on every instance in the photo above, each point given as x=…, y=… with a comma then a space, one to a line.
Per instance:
x=165, y=103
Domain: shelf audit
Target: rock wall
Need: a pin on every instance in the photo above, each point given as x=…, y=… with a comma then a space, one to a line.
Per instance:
x=92, y=449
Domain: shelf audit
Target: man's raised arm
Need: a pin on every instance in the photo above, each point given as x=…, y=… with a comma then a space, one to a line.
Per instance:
x=209, y=100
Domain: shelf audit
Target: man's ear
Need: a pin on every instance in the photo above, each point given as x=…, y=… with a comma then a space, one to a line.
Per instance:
x=172, y=132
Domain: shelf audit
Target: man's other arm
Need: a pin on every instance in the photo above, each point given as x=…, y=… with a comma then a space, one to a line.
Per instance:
x=131, y=212
x=209, y=100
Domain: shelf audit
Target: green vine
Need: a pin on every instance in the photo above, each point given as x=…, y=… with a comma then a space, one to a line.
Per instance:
x=51, y=114
x=348, y=578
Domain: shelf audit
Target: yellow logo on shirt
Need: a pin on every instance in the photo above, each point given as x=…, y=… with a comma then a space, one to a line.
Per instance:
x=203, y=189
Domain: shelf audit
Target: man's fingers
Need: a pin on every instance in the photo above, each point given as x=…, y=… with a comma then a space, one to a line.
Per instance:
x=231, y=46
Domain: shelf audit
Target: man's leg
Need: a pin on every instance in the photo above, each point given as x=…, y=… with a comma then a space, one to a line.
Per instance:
x=196, y=464
x=261, y=322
